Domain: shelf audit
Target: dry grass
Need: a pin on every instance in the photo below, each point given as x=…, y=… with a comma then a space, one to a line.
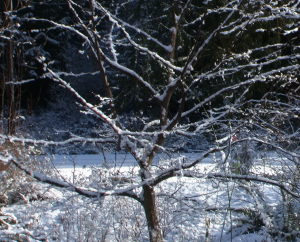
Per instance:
x=12, y=178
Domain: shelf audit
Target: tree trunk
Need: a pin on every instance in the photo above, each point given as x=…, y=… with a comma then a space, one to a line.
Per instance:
x=11, y=96
x=151, y=214
x=8, y=6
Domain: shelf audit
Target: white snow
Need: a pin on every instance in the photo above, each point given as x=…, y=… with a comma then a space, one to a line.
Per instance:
x=202, y=200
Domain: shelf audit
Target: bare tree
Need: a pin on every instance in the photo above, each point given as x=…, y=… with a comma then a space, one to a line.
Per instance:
x=226, y=83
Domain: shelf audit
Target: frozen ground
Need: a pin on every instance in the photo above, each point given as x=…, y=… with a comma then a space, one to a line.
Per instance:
x=190, y=209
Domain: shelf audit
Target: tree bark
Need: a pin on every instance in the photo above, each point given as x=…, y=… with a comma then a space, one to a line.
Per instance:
x=8, y=6
x=149, y=205
x=11, y=97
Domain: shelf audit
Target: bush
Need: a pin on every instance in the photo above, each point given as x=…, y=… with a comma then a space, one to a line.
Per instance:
x=12, y=179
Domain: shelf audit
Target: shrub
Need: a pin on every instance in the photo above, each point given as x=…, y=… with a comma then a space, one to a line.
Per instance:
x=12, y=179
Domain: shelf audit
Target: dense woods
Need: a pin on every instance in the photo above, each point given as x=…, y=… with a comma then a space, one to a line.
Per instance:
x=220, y=78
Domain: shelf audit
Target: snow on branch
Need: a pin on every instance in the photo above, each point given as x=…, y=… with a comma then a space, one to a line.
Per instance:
x=171, y=172
x=93, y=108
x=55, y=25
x=61, y=73
x=20, y=82
x=253, y=64
x=71, y=140
x=154, y=55
x=183, y=12
x=257, y=178
x=210, y=38
x=131, y=73
x=228, y=177
x=90, y=193
x=258, y=78
x=92, y=38
x=19, y=235
x=115, y=19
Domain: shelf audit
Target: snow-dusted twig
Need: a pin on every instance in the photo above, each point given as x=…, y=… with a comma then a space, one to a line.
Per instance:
x=91, y=193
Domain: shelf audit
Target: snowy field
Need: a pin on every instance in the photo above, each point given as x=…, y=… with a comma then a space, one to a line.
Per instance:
x=190, y=209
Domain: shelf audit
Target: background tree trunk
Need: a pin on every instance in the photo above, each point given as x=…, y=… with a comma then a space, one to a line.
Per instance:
x=9, y=92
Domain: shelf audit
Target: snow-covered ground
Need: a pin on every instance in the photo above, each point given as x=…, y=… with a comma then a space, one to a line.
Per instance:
x=190, y=209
